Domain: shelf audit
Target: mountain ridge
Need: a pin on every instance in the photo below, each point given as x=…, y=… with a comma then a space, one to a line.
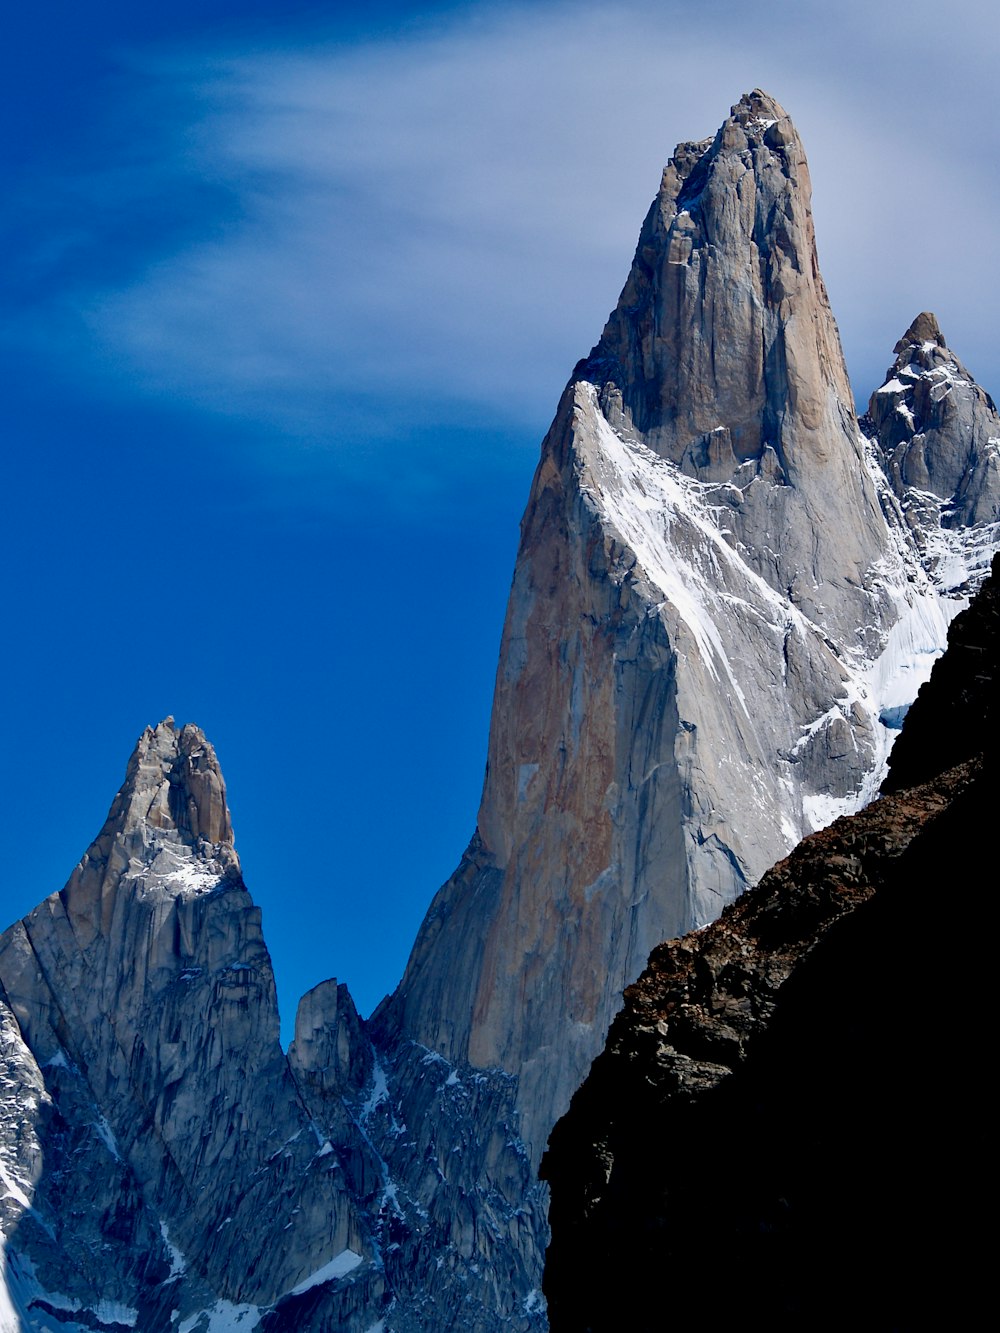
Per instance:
x=722, y=603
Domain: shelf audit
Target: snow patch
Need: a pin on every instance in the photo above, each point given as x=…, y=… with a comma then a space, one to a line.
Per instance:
x=345, y=1262
x=223, y=1317
x=646, y=496
x=178, y=1265
x=378, y=1094
x=106, y=1135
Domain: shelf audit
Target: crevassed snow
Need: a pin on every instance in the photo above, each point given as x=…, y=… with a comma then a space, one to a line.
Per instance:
x=114, y=1312
x=341, y=1264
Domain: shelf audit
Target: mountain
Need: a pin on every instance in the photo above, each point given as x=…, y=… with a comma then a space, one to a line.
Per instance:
x=726, y=595
x=719, y=613
x=787, y=1125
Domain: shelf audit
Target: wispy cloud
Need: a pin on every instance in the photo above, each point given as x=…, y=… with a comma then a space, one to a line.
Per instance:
x=331, y=239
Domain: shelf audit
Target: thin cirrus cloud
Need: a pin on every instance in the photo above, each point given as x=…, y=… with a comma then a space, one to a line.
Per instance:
x=445, y=218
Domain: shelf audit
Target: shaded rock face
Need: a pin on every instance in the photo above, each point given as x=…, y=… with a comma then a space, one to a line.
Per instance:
x=768, y=1130
x=721, y=608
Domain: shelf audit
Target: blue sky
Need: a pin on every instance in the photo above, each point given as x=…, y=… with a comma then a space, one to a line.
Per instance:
x=290, y=298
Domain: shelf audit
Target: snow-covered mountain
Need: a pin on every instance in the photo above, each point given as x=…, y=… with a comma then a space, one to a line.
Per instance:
x=727, y=591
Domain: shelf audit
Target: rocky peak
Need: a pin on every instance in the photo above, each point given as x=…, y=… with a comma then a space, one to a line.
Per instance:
x=168, y=828
x=725, y=316
x=723, y=357
x=758, y=109
x=173, y=781
x=924, y=329
x=938, y=432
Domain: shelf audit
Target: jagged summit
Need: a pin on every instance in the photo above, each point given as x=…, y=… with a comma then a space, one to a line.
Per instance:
x=176, y=1178
x=173, y=781
x=724, y=357
x=924, y=328
x=168, y=829
x=725, y=312
x=937, y=437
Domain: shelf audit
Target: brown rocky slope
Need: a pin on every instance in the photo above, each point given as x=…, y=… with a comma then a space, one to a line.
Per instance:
x=826, y=1036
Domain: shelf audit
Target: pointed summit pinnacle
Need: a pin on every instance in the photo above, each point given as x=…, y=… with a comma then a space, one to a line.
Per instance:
x=173, y=781
x=924, y=329
x=167, y=828
x=758, y=105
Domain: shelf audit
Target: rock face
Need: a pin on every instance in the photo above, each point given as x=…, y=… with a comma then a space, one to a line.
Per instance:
x=725, y=597
x=769, y=1130
x=717, y=619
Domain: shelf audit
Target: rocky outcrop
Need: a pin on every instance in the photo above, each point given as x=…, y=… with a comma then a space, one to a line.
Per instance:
x=166, y=1167
x=770, y=1130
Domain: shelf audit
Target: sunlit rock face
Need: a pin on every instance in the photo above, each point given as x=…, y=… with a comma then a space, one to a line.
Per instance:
x=718, y=617
x=726, y=596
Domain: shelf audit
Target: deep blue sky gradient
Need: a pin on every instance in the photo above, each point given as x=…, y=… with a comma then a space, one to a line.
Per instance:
x=291, y=294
